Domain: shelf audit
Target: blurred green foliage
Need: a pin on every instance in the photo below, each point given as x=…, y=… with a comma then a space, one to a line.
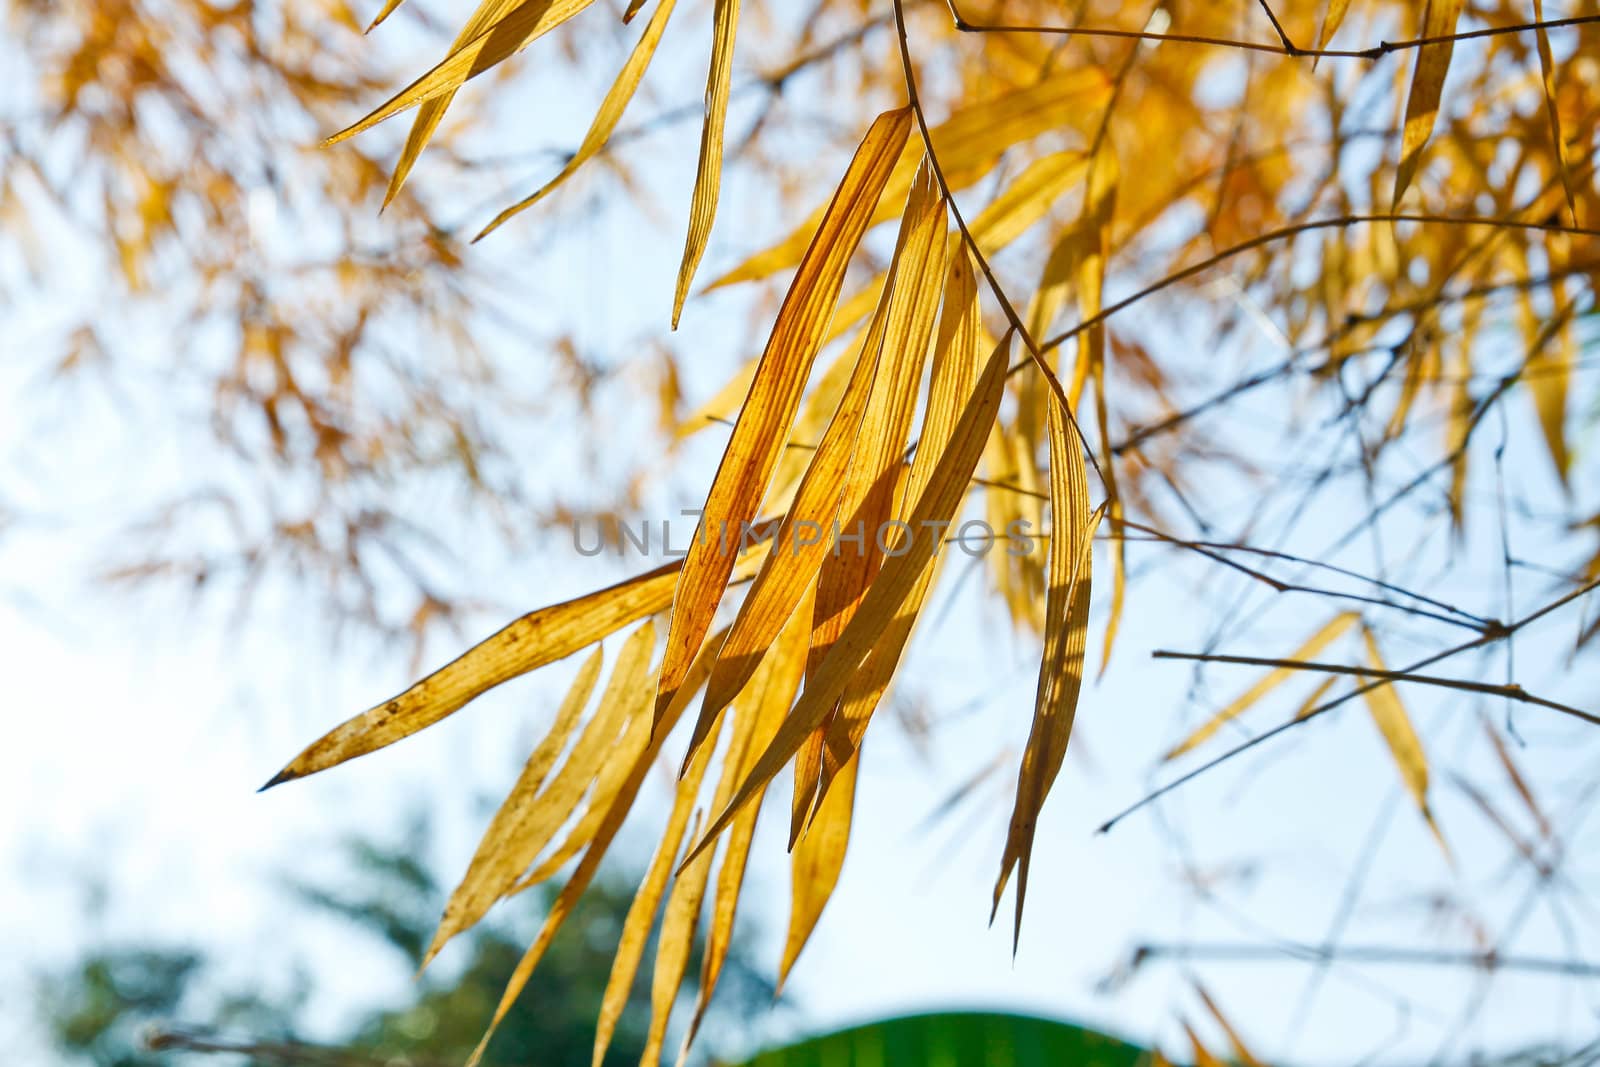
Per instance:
x=957, y=1039
x=103, y=1009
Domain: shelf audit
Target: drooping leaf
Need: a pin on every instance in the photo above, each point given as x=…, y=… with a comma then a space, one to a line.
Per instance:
x=641, y=916
x=1427, y=86
x=768, y=411
x=1401, y=737
x=899, y=576
x=1325, y=635
x=616, y=813
x=1558, y=143
x=967, y=143
x=798, y=547
x=498, y=30
x=954, y=366
x=1332, y=19
x=815, y=864
x=1061, y=667
x=538, y=638
x=496, y=863
x=911, y=300
x=606, y=118
x=763, y=704
x=672, y=951
x=708, y=176
x=1241, y=1052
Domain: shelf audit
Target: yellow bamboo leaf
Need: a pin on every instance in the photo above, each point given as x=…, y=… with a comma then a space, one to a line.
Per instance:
x=1241, y=1052
x=1551, y=352
x=708, y=176
x=1061, y=665
x=538, y=638
x=1547, y=72
x=758, y=436
x=641, y=917
x=815, y=865
x=807, y=771
x=1325, y=635
x=954, y=366
x=616, y=813
x=1332, y=19
x=613, y=774
x=1018, y=207
x=1401, y=736
x=1005, y=218
x=911, y=300
x=672, y=951
x=763, y=704
x=798, y=547
x=498, y=30
x=1203, y=1057
x=606, y=118
x=1098, y=210
x=495, y=865
x=389, y=8
x=968, y=143
x=937, y=505
x=1427, y=85
x=1313, y=699
x=430, y=113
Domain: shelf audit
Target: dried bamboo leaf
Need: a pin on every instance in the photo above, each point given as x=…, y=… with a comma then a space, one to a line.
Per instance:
x=616, y=813
x=1427, y=86
x=769, y=410
x=763, y=705
x=1401, y=737
x=672, y=950
x=1241, y=1052
x=911, y=299
x=954, y=366
x=815, y=865
x=496, y=863
x=1547, y=73
x=937, y=505
x=798, y=547
x=606, y=118
x=497, y=31
x=1325, y=635
x=1061, y=667
x=641, y=917
x=1332, y=19
x=538, y=638
x=967, y=143
x=1519, y=782
x=708, y=176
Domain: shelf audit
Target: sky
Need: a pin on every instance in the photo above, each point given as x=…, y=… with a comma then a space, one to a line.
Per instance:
x=141, y=728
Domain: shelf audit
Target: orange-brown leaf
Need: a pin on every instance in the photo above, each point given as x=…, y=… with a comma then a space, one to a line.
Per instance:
x=769, y=410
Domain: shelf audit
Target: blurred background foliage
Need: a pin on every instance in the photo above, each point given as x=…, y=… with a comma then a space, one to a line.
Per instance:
x=147, y=1005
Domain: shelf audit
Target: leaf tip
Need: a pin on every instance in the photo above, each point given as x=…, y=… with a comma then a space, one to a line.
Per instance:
x=285, y=775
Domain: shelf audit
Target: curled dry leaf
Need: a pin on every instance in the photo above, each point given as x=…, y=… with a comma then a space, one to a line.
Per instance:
x=1066, y=640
